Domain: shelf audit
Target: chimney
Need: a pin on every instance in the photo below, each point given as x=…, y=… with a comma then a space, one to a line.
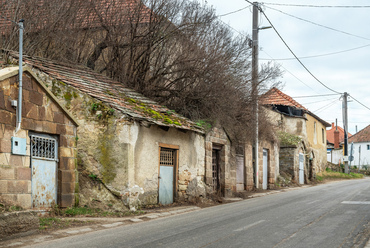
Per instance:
x=336, y=139
x=332, y=125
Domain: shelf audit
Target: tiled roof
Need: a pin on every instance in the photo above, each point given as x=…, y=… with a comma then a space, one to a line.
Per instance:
x=276, y=97
x=88, y=14
x=330, y=134
x=110, y=92
x=361, y=136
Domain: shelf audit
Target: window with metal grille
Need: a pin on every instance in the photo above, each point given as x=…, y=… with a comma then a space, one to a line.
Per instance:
x=42, y=147
x=167, y=156
x=215, y=170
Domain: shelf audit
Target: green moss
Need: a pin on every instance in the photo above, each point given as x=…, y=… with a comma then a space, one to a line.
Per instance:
x=206, y=124
x=167, y=120
x=177, y=123
x=55, y=88
x=109, y=92
x=287, y=139
x=106, y=153
x=68, y=96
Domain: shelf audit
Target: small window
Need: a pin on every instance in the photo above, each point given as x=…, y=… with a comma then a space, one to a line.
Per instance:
x=368, y=147
x=323, y=135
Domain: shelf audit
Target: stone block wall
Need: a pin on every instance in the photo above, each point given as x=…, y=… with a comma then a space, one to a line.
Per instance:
x=288, y=161
x=40, y=114
x=273, y=164
x=218, y=137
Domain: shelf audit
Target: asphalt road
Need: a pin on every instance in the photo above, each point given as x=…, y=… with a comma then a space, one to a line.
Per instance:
x=329, y=215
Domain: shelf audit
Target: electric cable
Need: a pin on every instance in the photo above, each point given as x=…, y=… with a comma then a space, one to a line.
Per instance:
x=325, y=107
x=319, y=6
x=314, y=96
x=317, y=24
x=321, y=55
x=296, y=55
x=233, y=12
x=8, y=20
x=359, y=102
x=318, y=101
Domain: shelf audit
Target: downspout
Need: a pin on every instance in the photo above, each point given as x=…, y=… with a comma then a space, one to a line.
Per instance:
x=19, y=109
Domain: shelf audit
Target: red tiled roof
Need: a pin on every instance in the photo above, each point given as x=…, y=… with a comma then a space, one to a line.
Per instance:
x=361, y=136
x=276, y=97
x=330, y=134
x=86, y=14
x=109, y=91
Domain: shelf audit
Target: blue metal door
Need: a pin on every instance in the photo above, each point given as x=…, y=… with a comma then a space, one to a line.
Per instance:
x=44, y=171
x=301, y=169
x=265, y=169
x=167, y=165
x=166, y=185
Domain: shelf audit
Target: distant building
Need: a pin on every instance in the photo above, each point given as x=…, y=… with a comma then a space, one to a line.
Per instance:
x=361, y=147
x=335, y=139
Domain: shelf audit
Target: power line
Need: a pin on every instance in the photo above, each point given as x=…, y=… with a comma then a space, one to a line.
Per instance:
x=320, y=6
x=233, y=12
x=296, y=55
x=3, y=17
x=314, y=96
x=326, y=106
x=291, y=73
x=359, y=102
x=319, y=101
x=317, y=24
x=322, y=55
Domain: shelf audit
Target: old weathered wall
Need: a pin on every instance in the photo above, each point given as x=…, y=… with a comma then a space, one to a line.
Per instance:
x=146, y=161
x=273, y=164
x=316, y=136
x=218, y=137
x=289, y=124
x=41, y=114
x=123, y=153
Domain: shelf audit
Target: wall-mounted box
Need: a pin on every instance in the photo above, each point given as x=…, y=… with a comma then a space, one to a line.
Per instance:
x=19, y=146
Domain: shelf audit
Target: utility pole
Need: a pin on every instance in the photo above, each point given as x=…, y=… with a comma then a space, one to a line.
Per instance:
x=345, y=124
x=255, y=86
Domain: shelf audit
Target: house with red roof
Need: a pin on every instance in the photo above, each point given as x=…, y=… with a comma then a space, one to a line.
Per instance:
x=302, y=136
x=335, y=139
x=361, y=148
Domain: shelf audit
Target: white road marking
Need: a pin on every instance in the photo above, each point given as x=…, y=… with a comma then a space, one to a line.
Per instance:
x=356, y=202
x=313, y=202
x=249, y=226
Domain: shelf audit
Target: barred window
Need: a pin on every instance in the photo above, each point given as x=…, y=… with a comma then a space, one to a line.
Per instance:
x=42, y=147
x=167, y=156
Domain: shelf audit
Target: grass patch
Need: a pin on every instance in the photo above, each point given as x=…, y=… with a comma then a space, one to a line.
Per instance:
x=93, y=212
x=328, y=174
x=52, y=223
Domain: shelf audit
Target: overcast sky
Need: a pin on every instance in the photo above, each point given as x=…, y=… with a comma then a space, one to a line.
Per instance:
x=343, y=71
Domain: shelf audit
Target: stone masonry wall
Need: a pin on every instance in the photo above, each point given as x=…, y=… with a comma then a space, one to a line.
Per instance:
x=41, y=114
x=217, y=136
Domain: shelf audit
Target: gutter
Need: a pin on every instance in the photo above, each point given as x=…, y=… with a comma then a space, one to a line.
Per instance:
x=20, y=90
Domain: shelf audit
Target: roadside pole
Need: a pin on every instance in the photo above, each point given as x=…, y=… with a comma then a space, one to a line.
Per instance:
x=345, y=124
x=255, y=86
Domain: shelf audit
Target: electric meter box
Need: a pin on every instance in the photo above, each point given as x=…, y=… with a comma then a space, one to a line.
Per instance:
x=19, y=146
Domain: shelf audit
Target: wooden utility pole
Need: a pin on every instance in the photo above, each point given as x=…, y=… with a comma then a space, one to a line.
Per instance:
x=255, y=86
x=345, y=124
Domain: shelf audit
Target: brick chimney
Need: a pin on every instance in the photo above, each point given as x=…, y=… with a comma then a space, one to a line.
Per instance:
x=336, y=139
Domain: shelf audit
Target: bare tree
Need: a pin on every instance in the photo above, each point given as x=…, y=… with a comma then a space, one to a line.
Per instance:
x=175, y=51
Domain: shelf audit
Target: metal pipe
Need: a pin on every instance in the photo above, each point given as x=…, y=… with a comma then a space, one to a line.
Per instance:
x=20, y=91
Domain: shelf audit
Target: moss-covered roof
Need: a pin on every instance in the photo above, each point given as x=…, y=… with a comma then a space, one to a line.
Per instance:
x=111, y=92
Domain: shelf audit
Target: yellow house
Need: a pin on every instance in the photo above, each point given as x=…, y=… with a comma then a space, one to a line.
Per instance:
x=302, y=136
